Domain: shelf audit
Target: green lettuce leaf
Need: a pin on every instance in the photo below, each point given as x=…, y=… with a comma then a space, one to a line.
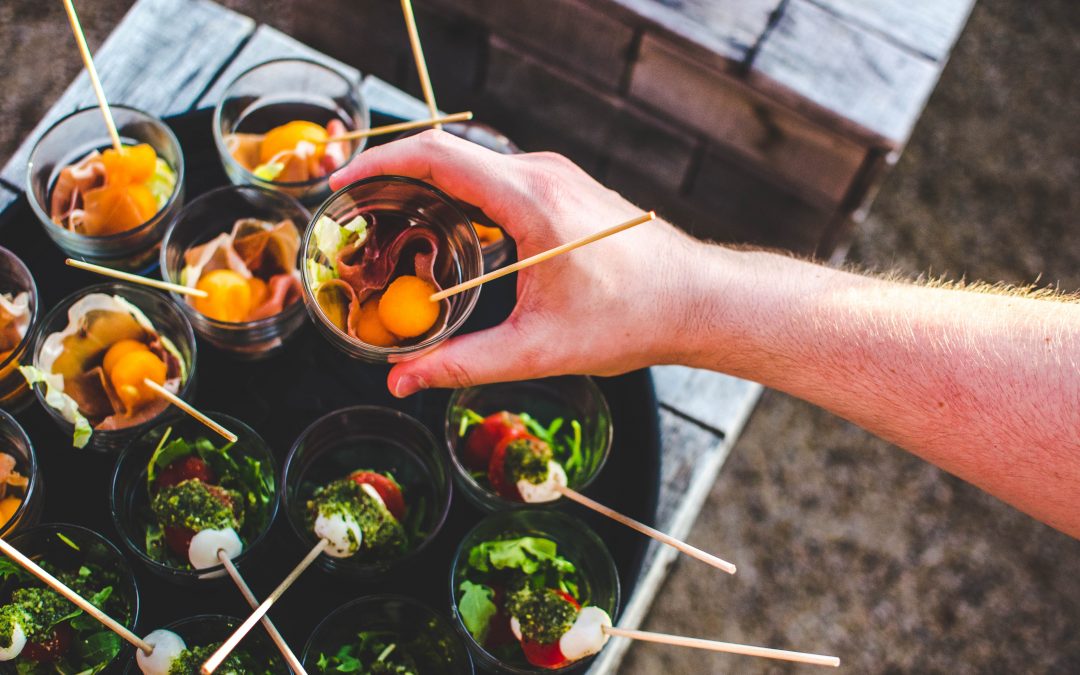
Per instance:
x=163, y=183
x=476, y=608
x=269, y=171
x=64, y=404
x=331, y=237
x=528, y=554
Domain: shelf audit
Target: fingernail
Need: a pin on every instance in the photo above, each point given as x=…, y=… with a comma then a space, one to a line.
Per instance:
x=408, y=384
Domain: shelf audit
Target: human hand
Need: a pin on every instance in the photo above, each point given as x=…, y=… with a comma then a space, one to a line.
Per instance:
x=610, y=307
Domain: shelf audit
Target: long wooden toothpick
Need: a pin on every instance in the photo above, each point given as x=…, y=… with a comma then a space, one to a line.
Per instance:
x=541, y=257
x=80, y=602
x=286, y=651
x=229, y=645
x=728, y=647
x=189, y=409
x=136, y=279
x=418, y=55
x=659, y=536
x=95, y=82
x=401, y=126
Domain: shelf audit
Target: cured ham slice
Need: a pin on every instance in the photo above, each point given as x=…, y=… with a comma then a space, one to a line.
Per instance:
x=368, y=268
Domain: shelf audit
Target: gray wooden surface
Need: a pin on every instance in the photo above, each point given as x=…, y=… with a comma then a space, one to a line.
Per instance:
x=927, y=27
x=701, y=413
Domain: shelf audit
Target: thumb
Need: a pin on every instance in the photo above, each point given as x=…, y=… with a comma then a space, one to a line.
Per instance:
x=494, y=355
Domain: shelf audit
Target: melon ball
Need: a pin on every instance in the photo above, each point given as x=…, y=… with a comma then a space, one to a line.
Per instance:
x=370, y=328
x=119, y=350
x=229, y=296
x=128, y=375
x=406, y=309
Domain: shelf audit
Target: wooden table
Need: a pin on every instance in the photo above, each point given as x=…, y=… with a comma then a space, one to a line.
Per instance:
x=702, y=413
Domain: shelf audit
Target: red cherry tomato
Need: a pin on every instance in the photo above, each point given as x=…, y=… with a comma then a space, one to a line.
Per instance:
x=178, y=539
x=485, y=436
x=183, y=469
x=567, y=597
x=544, y=655
x=497, y=470
x=52, y=649
x=387, y=489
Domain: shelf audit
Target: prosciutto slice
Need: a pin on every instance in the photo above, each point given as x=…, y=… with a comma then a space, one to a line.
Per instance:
x=300, y=164
x=74, y=181
x=369, y=266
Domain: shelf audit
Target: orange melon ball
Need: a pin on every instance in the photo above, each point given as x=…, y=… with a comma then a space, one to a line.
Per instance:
x=128, y=374
x=8, y=507
x=405, y=308
x=119, y=350
x=370, y=328
x=229, y=296
x=288, y=136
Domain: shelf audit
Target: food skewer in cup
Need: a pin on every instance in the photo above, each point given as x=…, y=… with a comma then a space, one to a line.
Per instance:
x=91, y=70
x=418, y=56
x=396, y=128
x=80, y=602
x=717, y=646
x=135, y=278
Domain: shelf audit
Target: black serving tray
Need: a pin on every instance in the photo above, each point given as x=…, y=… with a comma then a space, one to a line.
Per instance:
x=279, y=397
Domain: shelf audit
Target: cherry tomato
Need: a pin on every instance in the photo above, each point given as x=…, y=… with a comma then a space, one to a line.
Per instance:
x=544, y=655
x=52, y=649
x=485, y=436
x=387, y=489
x=567, y=597
x=504, y=485
x=178, y=539
x=183, y=469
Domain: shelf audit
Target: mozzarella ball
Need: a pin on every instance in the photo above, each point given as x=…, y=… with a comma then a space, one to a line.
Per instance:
x=586, y=637
x=515, y=627
x=18, y=641
x=167, y=648
x=343, y=533
x=533, y=493
x=205, y=545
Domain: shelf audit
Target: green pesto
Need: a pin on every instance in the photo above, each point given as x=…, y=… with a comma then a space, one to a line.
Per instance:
x=198, y=506
x=36, y=610
x=9, y=616
x=527, y=458
x=191, y=660
x=383, y=534
x=544, y=615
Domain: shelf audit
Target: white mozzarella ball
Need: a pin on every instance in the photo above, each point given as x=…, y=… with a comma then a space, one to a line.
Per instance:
x=343, y=533
x=203, y=551
x=545, y=491
x=167, y=648
x=372, y=492
x=18, y=641
x=515, y=627
x=586, y=637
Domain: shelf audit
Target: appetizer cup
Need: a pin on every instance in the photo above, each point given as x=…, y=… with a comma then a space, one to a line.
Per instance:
x=15, y=517
x=212, y=629
x=421, y=637
x=19, y=314
x=571, y=397
x=129, y=495
x=203, y=219
x=281, y=91
x=598, y=579
x=71, y=139
x=379, y=440
x=168, y=321
x=65, y=549
x=400, y=199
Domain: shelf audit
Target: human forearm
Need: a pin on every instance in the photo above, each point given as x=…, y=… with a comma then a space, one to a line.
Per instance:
x=985, y=386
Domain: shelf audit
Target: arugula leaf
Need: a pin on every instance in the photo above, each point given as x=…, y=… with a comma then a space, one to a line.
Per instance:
x=9, y=569
x=67, y=541
x=155, y=542
x=97, y=649
x=476, y=608
x=527, y=554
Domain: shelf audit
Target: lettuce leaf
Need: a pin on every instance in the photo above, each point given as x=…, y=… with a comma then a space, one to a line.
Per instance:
x=269, y=171
x=64, y=404
x=331, y=237
x=528, y=554
x=162, y=183
x=476, y=608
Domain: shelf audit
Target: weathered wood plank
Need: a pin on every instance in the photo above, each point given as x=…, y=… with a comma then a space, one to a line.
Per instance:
x=718, y=401
x=812, y=56
x=929, y=27
x=160, y=58
x=269, y=43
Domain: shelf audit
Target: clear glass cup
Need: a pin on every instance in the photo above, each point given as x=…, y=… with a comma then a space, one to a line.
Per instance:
x=376, y=439
x=496, y=253
x=398, y=198
x=129, y=498
x=44, y=543
x=280, y=91
x=15, y=278
x=206, y=629
x=572, y=397
x=575, y=541
x=416, y=630
x=16, y=443
x=167, y=319
x=74, y=137
x=206, y=217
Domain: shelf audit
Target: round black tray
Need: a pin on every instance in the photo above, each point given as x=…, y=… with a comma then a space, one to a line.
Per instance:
x=279, y=397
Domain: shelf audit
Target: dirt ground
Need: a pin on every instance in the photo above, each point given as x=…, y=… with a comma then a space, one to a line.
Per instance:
x=845, y=544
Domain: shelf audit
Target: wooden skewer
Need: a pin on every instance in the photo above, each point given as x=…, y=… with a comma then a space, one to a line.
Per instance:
x=95, y=82
x=187, y=407
x=83, y=604
x=541, y=257
x=401, y=126
x=136, y=279
x=729, y=647
x=659, y=536
x=418, y=55
x=286, y=651
x=230, y=644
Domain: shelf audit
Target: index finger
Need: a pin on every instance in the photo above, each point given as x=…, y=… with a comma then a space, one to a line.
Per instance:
x=462, y=169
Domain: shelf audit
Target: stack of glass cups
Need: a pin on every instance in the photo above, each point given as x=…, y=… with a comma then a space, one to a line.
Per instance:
x=19, y=314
